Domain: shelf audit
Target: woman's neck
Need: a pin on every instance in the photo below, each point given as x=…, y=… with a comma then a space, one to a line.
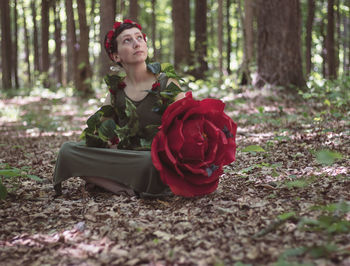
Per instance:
x=137, y=73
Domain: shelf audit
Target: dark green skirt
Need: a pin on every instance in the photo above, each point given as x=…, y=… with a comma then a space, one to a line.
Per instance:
x=133, y=169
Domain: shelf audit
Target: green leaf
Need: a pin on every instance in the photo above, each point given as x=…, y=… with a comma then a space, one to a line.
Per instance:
x=94, y=120
x=322, y=251
x=106, y=131
x=10, y=172
x=300, y=183
x=155, y=67
x=107, y=110
x=3, y=191
x=286, y=216
x=94, y=141
x=34, y=177
x=253, y=148
x=327, y=157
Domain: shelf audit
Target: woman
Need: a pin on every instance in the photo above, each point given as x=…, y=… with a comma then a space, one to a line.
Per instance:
x=124, y=170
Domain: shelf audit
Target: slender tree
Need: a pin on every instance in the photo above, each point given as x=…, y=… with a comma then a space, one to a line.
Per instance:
x=330, y=43
x=181, y=23
x=15, y=45
x=220, y=36
x=248, y=36
x=107, y=16
x=84, y=69
x=58, y=43
x=154, y=30
x=133, y=10
x=35, y=38
x=26, y=44
x=229, y=39
x=201, y=38
x=45, y=56
x=279, y=43
x=71, y=41
x=308, y=36
x=6, y=46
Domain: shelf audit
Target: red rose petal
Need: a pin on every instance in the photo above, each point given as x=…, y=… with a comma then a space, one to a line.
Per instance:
x=193, y=148
x=175, y=134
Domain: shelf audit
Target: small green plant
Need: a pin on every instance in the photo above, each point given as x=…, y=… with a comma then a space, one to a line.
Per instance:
x=13, y=174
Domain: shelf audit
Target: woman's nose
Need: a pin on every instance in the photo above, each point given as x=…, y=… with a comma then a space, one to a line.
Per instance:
x=136, y=43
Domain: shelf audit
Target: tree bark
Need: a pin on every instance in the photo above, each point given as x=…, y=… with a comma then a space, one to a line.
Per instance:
x=330, y=44
x=201, y=39
x=45, y=57
x=35, y=39
x=154, y=30
x=308, y=37
x=107, y=15
x=279, y=43
x=220, y=38
x=58, y=43
x=182, y=28
x=84, y=69
x=348, y=72
x=248, y=35
x=26, y=44
x=72, y=55
x=229, y=39
x=6, y=46
x=133, y=10
x=15, y=46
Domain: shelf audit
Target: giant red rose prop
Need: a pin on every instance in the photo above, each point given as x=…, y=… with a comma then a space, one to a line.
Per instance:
x=195, y=140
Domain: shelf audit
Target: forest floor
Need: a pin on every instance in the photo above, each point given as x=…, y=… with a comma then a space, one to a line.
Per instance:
x=284, y=201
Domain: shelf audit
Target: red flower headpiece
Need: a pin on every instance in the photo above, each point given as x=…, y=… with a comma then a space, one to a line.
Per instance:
x=110, y=34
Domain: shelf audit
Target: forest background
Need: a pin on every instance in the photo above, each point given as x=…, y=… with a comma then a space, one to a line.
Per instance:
x=59, y=43
x=282, y=69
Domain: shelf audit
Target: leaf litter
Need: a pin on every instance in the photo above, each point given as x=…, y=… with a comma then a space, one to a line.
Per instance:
x=263, y=212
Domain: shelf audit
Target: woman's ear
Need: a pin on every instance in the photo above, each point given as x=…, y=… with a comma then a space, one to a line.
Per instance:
x=116, y=58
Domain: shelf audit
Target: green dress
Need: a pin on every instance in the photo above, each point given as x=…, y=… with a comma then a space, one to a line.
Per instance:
x=132, y=168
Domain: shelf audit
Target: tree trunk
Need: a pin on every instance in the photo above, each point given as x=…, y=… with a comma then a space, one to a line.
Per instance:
x=229, y=39
x=248, y=35
x=330, y=44
x=308, y=37
x=26, y=44
x=72, y=55
x=279, y=43
x=182, y=29
x=58, y=43
x=45, y=57
x=323, y=51
x=84, y=70
x=133, y=10
x=35, y=39
x=348, y=72
x=107, y=15
x=154, y=30
x=220, y=38
x=15, y=46
x=6, y=46
x=338, y=36
x=345, y=21
x=201, y=39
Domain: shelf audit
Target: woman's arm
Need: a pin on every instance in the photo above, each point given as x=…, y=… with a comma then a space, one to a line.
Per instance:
x=108, y=99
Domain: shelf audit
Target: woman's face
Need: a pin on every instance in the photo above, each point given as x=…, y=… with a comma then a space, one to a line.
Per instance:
x=132, y=48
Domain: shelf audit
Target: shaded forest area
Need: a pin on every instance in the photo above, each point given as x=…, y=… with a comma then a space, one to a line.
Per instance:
x=281, y=67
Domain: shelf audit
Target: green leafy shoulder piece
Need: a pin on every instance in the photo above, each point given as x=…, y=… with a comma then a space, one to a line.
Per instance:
x=112, y=82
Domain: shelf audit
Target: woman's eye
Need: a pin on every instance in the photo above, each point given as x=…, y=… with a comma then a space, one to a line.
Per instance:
x=139, y=37
x=126, y=40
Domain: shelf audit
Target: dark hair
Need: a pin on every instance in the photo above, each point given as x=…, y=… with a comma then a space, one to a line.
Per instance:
x=114, y=45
